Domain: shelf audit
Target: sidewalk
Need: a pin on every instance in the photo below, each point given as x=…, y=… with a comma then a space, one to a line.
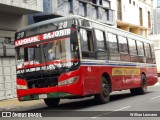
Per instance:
x=15, y=104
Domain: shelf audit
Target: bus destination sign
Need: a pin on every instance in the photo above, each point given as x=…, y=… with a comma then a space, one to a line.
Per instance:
x=50, y=35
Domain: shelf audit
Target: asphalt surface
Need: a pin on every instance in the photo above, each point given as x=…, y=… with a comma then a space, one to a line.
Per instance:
x=121, y=103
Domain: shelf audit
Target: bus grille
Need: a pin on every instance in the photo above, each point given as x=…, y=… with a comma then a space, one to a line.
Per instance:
x=42, y=82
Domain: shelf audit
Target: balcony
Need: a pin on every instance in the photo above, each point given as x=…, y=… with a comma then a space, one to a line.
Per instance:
x=21, y=6
x=55, y=8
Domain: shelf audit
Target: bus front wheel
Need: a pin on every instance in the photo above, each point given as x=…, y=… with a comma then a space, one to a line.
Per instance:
x=52, y=102
x=103, y=96
x=141, y=90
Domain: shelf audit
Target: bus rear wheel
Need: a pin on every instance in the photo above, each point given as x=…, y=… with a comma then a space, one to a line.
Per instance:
x=103, y=96
x=52, y=102
x=141, y=90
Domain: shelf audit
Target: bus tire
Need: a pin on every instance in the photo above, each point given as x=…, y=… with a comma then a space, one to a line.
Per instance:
x=52, y=102
x=103, y=96
x=141, y=90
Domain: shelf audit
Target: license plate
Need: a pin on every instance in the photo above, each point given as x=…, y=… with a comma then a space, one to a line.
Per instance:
x=42, y=96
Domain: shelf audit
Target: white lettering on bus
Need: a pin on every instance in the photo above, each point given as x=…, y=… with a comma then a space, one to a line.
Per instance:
x=44, y=36
x=57, y=34
x=27, y=40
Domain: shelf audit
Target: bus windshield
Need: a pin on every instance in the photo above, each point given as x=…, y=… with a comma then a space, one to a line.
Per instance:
x=62, y=51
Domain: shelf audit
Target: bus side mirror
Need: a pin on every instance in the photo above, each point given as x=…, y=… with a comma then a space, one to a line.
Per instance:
x=78, y=29
x=76, y=26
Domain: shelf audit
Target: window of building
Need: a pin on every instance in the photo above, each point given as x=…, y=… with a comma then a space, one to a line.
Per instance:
x=82, y=9
x=113, y=44
x=149, y=19
x=8, y=40
x=105, y=15
x=140, y=17
x=134, y=3
x=147, y=50
x=106, y=3
x=100, y=39
x=70, y=4
x=123, y=45
x=140, y=48
x=132, y=47
x=130, y=1
x=100, y=2
x=119, y=10
x=158, y=3
x=94, y=1
x=95, y=12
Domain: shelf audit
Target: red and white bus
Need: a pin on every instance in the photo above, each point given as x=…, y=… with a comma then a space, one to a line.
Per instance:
x=72, y=57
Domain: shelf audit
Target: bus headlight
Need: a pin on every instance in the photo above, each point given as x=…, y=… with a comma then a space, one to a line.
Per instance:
x=68, y=81
x=21, y=87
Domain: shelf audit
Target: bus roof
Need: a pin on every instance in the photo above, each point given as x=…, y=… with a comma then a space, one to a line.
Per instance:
x=48, y=22
x=76, y=16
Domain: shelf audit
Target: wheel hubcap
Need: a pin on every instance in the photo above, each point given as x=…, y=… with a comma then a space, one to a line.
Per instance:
x=144, y=85
x=105, y=90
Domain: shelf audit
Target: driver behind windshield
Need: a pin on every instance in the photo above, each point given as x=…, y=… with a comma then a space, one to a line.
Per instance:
x=52, y=51
x=51, y=54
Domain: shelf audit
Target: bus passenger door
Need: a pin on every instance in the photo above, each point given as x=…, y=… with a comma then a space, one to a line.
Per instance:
x=88, y=56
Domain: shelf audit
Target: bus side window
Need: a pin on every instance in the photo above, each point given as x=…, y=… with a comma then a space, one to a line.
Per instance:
x=100, y=39
x=147, y=50
x=148, y=53
x=123, y=45
x=87, y=45
x=132, y=47
x=123, y=48
x=153, y=54
x=140, y=51
x=133, y=50
x=101, y=45
x=113, y=46
x=90, y=41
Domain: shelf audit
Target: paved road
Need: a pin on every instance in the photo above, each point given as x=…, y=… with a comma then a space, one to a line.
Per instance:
x=119, y=101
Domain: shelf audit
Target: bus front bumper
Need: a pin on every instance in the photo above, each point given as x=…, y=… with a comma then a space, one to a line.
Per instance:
x=45, y=96
x=58, y=91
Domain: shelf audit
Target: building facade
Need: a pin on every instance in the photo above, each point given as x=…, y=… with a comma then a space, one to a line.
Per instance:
x=99, y=10
x=158, y=3
x=134, y=15
x=12, y=17
x=156, y=21
x=155, y=34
